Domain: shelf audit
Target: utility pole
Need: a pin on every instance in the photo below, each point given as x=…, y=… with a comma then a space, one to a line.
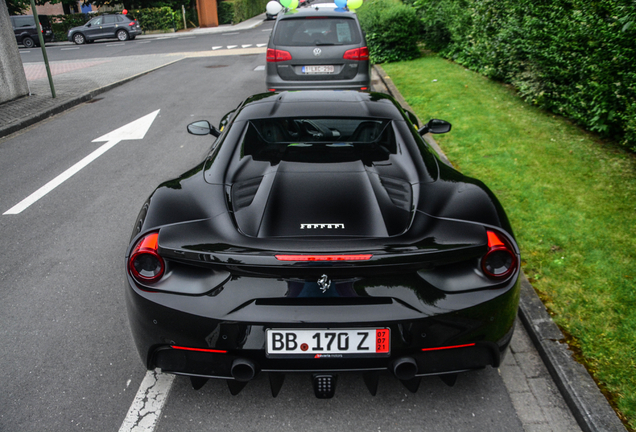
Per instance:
x=46, y=59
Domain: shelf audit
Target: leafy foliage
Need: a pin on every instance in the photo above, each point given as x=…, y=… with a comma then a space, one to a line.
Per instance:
x=160, y=18
x=246, y=9
x=225, y=11
x=573, y=57
x=392, y=30
x=18, y=7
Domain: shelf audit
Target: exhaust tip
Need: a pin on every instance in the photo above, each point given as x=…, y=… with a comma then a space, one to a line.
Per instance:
x=405, y=368
x=243, y=370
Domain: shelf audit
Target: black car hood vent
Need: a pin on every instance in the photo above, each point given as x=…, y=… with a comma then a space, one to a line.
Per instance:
x=296, y=199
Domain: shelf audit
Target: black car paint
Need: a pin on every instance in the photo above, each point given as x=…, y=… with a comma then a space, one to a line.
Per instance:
x=225, y=287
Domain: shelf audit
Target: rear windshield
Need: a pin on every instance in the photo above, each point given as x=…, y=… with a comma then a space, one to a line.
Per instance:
x=319, y=139
x=317, y=31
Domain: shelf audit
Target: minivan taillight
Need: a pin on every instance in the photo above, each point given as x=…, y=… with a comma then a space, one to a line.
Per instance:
x=275, y=55
x=358, y=54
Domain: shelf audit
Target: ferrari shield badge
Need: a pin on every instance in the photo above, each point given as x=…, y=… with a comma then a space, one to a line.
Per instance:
x=324, y=283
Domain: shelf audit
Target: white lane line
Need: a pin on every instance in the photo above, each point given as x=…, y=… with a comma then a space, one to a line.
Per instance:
x=140, y=42
x=189, y=37
x=260, y=68
x=267, y=30
x=25, y=203
x=231, y=46
x=66, y=49
x=24, y=52
x=216, y=48
x=145, y=410
x=246, y=46
x=112, y=45
x=261, y=45
x=132, y=131
x=229, y=34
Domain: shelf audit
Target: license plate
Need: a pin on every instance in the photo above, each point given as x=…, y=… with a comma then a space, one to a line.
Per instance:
x=324, y=69
x=328, y=343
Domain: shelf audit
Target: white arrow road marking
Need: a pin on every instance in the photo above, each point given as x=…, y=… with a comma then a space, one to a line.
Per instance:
x=261, y=45
x=246, y=46
x=132, y=131
x=216, y=47
x=149, y=401
x=231, y=46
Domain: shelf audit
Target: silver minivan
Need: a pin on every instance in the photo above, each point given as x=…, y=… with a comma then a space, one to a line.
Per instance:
x=317, y=47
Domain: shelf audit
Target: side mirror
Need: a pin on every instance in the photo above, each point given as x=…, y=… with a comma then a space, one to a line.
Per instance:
x=435, y=126
x=203, y=127
x=88, y=25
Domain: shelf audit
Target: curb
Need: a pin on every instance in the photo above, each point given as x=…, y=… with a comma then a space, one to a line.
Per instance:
x=590, y=408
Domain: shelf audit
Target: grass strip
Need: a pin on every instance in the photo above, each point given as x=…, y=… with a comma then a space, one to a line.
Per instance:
x=571, y=199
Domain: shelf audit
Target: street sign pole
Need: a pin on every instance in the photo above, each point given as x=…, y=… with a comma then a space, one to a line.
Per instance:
x=46, y=59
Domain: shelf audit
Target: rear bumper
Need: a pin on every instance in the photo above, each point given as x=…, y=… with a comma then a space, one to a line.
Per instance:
x=362, y=81
x=444, y=334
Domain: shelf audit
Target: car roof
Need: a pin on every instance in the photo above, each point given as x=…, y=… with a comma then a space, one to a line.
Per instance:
x=320, y=103
x=322, y=9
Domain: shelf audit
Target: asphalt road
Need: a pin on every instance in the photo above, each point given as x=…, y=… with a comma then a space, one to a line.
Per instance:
x=155, y=44
x=68, y=360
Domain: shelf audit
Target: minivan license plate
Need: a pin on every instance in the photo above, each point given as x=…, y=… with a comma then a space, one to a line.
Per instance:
x=324, y=69
x=321, y=343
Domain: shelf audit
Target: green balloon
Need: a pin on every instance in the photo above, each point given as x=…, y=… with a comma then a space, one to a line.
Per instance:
x=285, y=3
x=354, y=4
x=293, y=4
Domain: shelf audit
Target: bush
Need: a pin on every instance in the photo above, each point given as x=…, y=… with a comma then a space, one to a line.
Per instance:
x=246, y=9
x=393, y=30
x=155, y=18
x=225, y=9
x=573, y=57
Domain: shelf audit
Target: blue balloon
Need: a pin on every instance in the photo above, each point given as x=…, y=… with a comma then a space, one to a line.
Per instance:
x=341, y=3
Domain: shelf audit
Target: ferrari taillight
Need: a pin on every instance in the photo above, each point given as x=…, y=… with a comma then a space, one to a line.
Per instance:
x=500, y=260
x=145, y=264
x=276, y=55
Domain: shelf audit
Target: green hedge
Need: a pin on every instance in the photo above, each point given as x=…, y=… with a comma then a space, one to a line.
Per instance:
x=573, y=57
x=225, y=10
x=246, y=9
x=393, y=30
x=160, y=18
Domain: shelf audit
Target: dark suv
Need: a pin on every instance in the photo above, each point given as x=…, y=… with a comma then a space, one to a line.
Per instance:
x=317, y=47
x=122, y=27
x=26, y=33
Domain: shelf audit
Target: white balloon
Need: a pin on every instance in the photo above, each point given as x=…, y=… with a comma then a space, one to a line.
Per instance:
x=273, y=7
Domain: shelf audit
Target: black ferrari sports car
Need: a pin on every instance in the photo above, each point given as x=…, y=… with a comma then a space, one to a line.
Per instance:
x=321, y=235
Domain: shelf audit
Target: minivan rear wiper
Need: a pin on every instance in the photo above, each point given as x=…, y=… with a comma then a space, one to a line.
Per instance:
x=326, y=43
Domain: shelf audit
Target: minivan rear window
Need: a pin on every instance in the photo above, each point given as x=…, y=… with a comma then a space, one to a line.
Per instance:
x=312, y=31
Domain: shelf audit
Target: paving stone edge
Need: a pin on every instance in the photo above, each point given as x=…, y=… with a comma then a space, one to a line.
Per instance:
x=589, y=406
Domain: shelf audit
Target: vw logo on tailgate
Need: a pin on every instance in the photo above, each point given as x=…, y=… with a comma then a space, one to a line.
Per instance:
x=317, y=51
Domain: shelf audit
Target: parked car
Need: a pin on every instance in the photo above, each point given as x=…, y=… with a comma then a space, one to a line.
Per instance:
x=321, y=235
x=317, y=47
x=26, y=32
x=121, y=27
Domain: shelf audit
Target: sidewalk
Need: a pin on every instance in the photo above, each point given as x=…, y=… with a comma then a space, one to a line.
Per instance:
x=80, y=81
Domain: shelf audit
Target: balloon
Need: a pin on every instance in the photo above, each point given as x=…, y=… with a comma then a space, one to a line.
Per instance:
x=124, y=11
x=273, y=7
x=285, y=3
x=354, y=4
x=294, y=4
x=341, y=3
